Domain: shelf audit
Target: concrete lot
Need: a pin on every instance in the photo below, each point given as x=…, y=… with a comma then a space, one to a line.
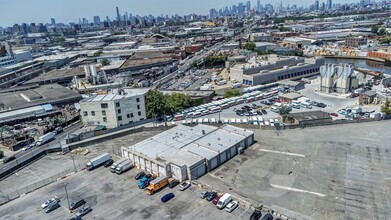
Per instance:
x=113, y=196
x=332, y=172
x=54, y=164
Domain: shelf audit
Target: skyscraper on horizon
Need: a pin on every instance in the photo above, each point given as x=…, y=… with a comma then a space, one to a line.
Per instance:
x=118, y=15
x=53, y=21
x=258, y=5
x=329, y=4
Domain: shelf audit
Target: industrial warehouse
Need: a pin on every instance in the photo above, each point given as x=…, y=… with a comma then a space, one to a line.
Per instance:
x=185, y=152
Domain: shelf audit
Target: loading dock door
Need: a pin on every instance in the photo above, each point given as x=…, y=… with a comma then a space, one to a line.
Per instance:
x=198, y=171
x=142, y=163
x=223, y=157
x=233, y=151
x=213, y=163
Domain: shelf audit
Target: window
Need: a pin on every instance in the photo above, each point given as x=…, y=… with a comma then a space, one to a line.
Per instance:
x=139, y=113
x=85, y=113
x=128, y=116
x=104, y=105
x=119, y=118
x=138, y=99
x=131, y=115
x=92, y=113
x=104, y=119
x=119, y=111
x=138, y=106
x=117, y=104
x=103, y=112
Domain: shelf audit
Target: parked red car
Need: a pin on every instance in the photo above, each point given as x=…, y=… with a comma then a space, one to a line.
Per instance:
x=334, y=114
x=216, y=200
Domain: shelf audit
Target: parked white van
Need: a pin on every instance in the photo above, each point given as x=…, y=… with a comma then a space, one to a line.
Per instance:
x=224, y=200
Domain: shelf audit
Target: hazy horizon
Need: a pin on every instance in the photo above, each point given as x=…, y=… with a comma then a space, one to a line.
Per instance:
x=65, y=11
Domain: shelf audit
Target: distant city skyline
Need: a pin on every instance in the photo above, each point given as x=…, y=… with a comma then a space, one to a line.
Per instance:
x=65, y=11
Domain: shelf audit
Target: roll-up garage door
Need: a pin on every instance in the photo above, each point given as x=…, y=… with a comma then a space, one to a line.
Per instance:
x=213, y=163
x=249, y=140
x=162, y=171
x=198, y=171
x=233, y=151
x=154, y=168
x=223, y=157
x=142, y=163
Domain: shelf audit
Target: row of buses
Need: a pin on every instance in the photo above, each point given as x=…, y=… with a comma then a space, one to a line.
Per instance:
x=218, y=106
x=251, y=120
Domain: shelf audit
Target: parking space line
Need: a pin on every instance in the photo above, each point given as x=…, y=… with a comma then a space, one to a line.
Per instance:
x=298, y=190
x=282, y=152
x=244, y=211
x=33, y=173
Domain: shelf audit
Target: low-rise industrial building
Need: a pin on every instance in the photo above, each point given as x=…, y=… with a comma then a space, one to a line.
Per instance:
x=308, y=118
x=289, y=97
x=291, y=85
x=117, y=108
x=271, y=68
x=60, y=76
x=353, y=41
x=265, y=46
x=186, y=152
x=20, y=115
x=54, y=94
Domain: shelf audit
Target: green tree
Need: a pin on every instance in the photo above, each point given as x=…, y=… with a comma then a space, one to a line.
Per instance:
x=382, y=31
x=193, y=64
x=59, y=39
x=385, y=108
x=284, y=111
x=176, y=102
x=232, y=93
x=105, y=62
x=250, y=46
x=97, y=54
x=375, y=29
x=385, y=40
x=156, y=103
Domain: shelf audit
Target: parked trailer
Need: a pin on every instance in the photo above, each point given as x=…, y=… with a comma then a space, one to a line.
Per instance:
x=156, y=185
x=97, y=161
x=126, y=165
x=45, y=138
x=116, y=163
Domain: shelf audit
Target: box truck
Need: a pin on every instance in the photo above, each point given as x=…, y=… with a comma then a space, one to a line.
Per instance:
x=124, y=166
x=156, y=184
x=45, y=138
x=116, y=163
x=97, y=161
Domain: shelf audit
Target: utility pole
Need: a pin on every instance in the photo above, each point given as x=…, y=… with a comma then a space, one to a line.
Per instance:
x=66, y=192
x=73, y=159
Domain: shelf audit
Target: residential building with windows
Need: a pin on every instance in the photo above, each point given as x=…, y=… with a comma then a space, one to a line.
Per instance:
x=117, y=108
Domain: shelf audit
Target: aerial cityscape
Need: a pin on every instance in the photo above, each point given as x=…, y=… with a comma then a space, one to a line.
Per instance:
x=260, y=110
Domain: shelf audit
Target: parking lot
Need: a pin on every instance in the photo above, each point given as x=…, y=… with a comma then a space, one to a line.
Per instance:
x=54, y=164
x=329, y=172
x=333, y=105
x=113, y=196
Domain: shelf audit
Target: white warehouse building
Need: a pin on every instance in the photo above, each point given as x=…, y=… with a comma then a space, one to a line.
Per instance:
x=117, y=108
x=185, y=152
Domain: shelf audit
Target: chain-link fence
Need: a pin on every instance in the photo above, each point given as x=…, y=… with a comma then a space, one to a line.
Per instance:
x=6, y=197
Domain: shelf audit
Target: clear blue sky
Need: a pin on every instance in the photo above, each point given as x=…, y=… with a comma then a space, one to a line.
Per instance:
x=40, y=11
